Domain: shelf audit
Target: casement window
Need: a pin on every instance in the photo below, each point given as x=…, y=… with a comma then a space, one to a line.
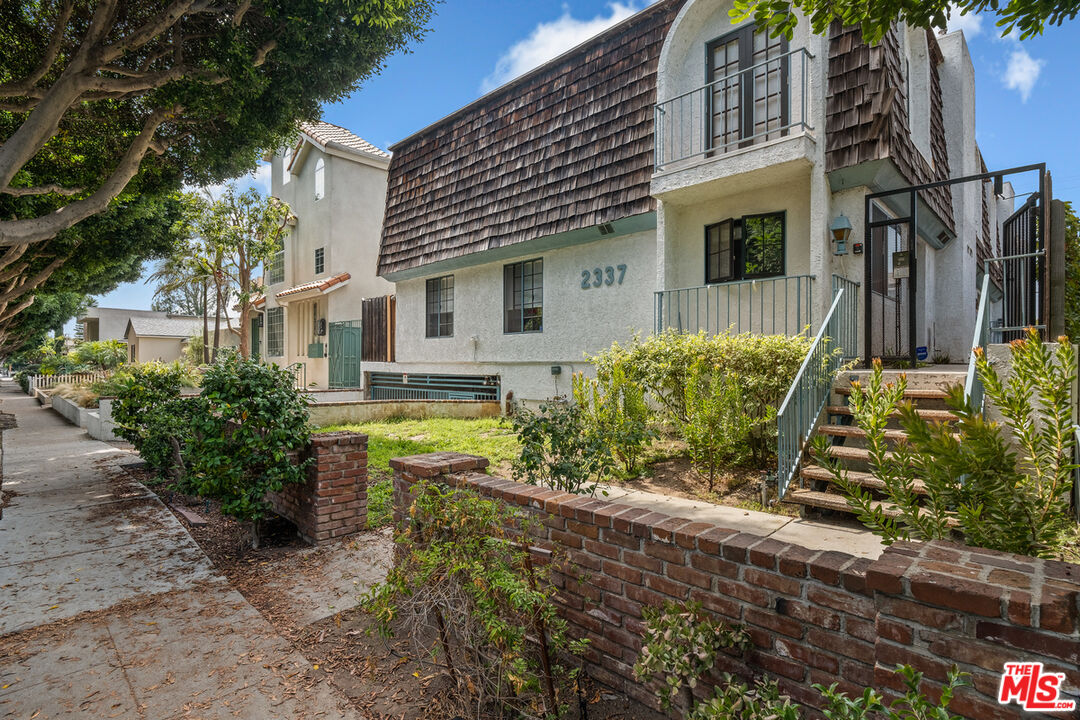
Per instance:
x=440, y=307
x=523, y=296
x=320, y=261
x=749, y=101
x=320, y=179
x=745, y=248
x=275, y=332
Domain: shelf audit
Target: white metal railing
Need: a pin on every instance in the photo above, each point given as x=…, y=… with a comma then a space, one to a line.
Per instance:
x=768, y=306
x=799, y=413
x=762, y=102
x=50, y=381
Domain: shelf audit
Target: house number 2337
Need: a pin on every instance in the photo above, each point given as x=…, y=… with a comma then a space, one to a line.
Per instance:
x=608, y=276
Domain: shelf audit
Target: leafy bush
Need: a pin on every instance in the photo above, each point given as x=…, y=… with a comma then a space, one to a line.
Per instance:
x=23, y=379
x=733, y=700
x=912, y=706
x=557, y=449
x=109, y=387
x=975, y=483
x=101, y=354
x=498, y=633
x=718, y=427
x=764, y=365
x=680, y=645
x=250, y=418
x=614, y=409
x=149, y=414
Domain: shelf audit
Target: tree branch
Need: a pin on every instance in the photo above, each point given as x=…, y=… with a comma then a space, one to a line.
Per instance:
x=32, y=283
x=33, y=230
x=41, y=190
x=18, y=89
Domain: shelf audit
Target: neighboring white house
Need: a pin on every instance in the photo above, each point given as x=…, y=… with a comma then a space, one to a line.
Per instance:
x=677, y=171
x=335, y=185
x=165, y=338
x=100, y=323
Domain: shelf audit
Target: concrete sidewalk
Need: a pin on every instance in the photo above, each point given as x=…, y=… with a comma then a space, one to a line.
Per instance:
x=108, y=608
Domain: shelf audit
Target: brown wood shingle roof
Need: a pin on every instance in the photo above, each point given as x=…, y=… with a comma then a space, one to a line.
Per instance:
x=565, y=147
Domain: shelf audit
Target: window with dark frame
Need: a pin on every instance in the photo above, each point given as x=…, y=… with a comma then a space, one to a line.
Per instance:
x=320, y=261
x=750, y=94
x=753, y=246
x=440, y=306
x=275, y=332
x=523, y=296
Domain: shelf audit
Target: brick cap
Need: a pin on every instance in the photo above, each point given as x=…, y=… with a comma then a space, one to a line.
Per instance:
x=438, y=463
x=339, y=437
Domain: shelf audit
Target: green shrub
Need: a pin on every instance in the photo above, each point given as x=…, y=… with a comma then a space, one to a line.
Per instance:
x=558, y=450
x=149, y=414
x=680, y=645
x=718, y=427
x=976, y=484
x=614, y=409
x=100, y=354
x=188, y=377
x=498, y=628
x=733, y=700
x=764, y=365
x=250, y=419
x=22, y=377
x=912, y=706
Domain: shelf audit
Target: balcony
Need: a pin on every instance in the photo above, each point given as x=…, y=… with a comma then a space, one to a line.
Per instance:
x=275, y=268
x=768, y=306
x=751, y=106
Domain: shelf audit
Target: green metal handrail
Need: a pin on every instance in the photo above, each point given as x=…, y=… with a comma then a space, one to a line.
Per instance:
x=973, y=387
x=799, y=413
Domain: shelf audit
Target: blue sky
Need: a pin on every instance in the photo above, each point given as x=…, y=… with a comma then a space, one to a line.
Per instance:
x=1028, y=94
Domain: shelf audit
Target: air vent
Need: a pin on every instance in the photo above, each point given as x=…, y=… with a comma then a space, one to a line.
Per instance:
x=606, y=229
x=943, y=238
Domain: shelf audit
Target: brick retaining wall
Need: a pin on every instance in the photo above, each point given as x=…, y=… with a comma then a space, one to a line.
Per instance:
x=333, y=501
x=813, y=616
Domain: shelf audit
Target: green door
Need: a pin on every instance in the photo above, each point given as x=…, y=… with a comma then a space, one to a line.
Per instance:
x=345, y=354
x=256, y=339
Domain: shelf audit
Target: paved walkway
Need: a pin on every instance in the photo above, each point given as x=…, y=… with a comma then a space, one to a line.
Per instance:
x=108, y=608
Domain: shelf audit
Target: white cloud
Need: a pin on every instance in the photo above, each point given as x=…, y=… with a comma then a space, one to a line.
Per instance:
x=971, y=23
x=260, y=178
x=1022, y=72
x=550, y=39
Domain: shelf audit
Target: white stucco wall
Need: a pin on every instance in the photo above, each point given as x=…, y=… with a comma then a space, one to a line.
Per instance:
x=347, y=223
x=576, y=321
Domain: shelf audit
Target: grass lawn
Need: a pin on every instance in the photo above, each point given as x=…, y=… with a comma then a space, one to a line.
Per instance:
x=493, y=438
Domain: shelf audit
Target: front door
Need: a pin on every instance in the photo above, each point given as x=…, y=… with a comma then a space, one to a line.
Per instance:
x=891, y=289
x=256, y=344
x=345, y=342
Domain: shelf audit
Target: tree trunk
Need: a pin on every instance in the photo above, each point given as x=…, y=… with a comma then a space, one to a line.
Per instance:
x=217, y=325
x=205, y=323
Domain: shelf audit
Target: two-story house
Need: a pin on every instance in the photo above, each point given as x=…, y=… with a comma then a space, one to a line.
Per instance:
x=677, y=171
x=314, y=290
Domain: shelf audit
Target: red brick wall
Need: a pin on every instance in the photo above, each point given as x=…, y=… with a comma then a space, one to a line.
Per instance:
x=333, y=501
x=814, y=616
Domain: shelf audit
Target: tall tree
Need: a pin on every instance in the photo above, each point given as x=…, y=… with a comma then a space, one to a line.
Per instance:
x=99, y=97
x=244, y=230
x=1030, y=17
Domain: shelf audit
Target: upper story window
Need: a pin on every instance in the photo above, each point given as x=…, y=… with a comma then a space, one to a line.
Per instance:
x=320, y=261
x=523, y=296
x=320, y=179
x=440, y=306
x=745, y=248
x=749, y=88
x=275, y=331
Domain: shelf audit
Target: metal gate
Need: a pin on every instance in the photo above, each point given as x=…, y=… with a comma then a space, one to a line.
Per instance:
x=346, y=338
x=891, y=269
x=1022, y=275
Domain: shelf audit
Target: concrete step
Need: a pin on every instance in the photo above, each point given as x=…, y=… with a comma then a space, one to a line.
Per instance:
x=925, y=414
x=854, y=454
x=817, y=473
x=909, y=393
x=830, y=501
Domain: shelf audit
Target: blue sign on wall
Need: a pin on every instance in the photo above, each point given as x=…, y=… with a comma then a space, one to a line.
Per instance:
x=921, y=352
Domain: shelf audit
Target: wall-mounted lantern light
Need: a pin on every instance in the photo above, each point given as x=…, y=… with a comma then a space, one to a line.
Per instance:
x=840, y=229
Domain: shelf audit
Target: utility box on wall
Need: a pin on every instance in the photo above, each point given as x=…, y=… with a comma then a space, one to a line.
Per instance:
x=315, y=350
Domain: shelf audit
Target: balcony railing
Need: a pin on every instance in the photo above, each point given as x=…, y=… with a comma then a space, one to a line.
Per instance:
x=275, y=268
x=762, y=102
x=770, y=306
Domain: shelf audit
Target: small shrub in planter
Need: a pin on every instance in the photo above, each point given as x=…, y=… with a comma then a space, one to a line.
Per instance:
x=614, y=409
x=718, y=427
x=558, y=450
x=249, y=424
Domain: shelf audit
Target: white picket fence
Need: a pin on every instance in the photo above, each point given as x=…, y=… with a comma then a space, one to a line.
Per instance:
x=49, y=381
